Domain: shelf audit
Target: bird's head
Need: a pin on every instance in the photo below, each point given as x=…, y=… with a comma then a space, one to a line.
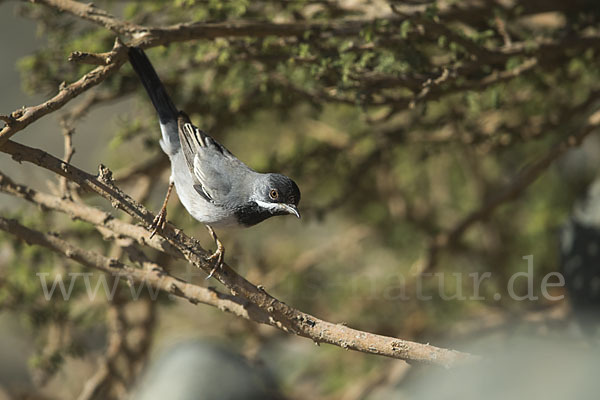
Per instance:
x=277, y=194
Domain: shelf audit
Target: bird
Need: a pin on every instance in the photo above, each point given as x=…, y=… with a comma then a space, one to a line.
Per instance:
x=214, y=186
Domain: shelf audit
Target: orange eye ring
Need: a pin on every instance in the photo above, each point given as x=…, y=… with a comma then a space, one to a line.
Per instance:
x=274, y=194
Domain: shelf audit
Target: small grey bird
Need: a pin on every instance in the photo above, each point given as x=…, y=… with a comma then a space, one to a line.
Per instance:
x=214, y=186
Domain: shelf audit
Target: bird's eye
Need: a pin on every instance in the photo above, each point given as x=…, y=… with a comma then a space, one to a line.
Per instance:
x=274, y=194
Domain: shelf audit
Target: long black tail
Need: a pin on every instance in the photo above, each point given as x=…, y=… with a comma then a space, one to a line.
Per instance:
x=161, y=100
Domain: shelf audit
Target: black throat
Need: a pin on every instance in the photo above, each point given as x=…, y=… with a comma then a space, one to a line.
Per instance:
x=251, y=214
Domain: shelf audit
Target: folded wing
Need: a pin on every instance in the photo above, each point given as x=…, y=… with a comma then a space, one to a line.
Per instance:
x=212, y=166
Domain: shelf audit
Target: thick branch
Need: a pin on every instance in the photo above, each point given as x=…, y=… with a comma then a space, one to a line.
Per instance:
x=280, y=314
x=154, y=36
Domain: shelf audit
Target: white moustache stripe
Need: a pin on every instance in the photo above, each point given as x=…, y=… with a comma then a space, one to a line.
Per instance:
x=269, y=206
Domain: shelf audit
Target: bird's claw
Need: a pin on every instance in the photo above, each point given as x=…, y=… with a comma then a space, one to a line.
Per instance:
x=159, y=222
x=218, y=256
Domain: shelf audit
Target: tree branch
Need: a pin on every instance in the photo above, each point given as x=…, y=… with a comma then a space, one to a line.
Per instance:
x=22, y=118
x=79, y=211
x=93, y=14
x=545, y=51
x=155, y=36
x=157, y=278
x=280, y=314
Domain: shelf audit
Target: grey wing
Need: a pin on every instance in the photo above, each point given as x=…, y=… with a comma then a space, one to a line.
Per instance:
x=212, y=166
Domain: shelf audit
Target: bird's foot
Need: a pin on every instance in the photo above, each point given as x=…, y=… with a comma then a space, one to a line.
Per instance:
x=218, y=255
x=159, y=222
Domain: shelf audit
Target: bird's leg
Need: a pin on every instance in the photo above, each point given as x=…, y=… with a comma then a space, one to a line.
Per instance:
x=161, y=218
x=218, y=254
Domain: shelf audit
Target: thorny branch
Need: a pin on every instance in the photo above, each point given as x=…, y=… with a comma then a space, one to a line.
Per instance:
x=279, y=314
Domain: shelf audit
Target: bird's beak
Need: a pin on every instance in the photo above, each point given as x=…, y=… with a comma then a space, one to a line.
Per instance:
x=290, y=209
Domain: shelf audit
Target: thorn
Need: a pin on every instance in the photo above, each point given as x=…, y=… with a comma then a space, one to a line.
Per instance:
x=104, y=174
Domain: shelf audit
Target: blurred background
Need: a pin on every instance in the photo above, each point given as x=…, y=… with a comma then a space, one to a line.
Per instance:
x=402, y=135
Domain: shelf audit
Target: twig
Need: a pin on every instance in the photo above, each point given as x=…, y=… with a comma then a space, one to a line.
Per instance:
x=67, y=130
x=502, y=31
x=91, y=13
x=497, y=77
x=427, y=87
x=22, y=118
x=91, y=58
x=433, y=90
